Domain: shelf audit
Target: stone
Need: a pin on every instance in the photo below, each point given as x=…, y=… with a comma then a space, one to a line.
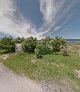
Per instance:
x=18, y=47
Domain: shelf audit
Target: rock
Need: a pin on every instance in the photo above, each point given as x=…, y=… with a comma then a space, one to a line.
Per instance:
x=77, y=73
x=33, y=61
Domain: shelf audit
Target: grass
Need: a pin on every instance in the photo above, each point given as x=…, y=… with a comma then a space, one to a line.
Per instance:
x=3, y=51
x=50, y=67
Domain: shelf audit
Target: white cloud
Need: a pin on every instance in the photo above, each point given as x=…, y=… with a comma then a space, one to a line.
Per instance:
x=9, y=24
x=50, y=8
x=52, y=11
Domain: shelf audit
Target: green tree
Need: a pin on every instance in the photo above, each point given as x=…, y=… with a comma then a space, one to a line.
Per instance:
x=58, y=41
x=29, y=44
x=40, y=50
x=46, y=40
x=7, y=43
x=19, y=40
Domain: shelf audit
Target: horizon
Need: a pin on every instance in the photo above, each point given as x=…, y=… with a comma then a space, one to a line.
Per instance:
x=42, y=38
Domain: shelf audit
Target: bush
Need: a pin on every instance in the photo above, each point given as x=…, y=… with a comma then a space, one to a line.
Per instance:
x=58, y=41
x=29, y=44
x=19, y=40
x=40, y=51
x=64, y=50
x=8, y=44
x=47, y=42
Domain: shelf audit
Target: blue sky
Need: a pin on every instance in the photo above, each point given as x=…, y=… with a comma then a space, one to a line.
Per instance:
x=40, y=18
x=31, y=10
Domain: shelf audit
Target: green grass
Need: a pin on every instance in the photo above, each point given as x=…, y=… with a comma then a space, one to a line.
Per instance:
x=2, y=51
x=50, y=67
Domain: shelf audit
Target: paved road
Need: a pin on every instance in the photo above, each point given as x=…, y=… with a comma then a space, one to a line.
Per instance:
x=10, y=82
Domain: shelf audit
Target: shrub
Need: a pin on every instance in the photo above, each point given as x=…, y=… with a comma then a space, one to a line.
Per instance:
x=46, y=40
x=58, y=41
x=19, y=40
x=29, y=44
x=40, y=51
x=64, y=50
x=8, y=44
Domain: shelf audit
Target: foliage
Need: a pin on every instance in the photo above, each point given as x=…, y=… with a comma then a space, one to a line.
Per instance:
x=51, y=67
x=48, y=45
x=54, y=43
x=29, y=44
x=40, y=50
x=58, y=41
x=46, y=40
x=19, y=40
x=7, y=43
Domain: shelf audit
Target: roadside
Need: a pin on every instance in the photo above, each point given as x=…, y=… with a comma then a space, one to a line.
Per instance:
x=56, y=73
x=10, y=82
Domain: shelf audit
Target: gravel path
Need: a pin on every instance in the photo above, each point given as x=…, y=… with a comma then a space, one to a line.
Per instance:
x=10, y=82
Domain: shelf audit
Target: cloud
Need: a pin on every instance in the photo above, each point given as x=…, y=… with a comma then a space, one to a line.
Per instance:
x=13, y=23
x=53, y=11
x=50, y=8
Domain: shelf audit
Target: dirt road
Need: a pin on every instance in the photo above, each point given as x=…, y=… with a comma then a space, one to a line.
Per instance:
x=10, y=82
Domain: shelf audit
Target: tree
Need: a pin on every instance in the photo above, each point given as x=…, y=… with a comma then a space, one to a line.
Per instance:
x=46, y=40
x=40, y=51
x=58, y=41
x=19, y=40
x=8, y=44
x=29, y=44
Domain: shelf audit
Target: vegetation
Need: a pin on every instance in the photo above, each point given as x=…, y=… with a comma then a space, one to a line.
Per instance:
x=50, y=67
x=19, y=40
x=58, y=41
x=40, y=50
x=49, y=45
x=43, y=49
x=29, y=44
x=8, y=44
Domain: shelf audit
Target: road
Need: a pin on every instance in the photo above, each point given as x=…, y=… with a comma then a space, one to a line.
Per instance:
x=10, y=82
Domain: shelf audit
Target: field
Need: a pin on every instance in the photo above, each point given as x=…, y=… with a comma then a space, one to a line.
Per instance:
x=50, y=67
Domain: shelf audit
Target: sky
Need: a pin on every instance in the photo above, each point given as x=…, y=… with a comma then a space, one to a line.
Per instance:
x=40, y=18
